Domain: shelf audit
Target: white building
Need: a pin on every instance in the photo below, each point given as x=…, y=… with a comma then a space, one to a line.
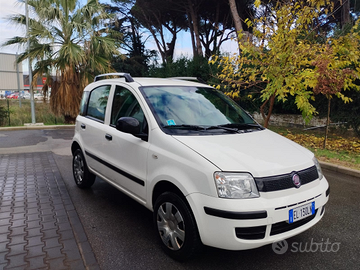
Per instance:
x=8, y=74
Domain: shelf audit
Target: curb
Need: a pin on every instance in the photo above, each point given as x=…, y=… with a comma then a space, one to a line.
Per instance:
x=30, y=127
x=339, y=169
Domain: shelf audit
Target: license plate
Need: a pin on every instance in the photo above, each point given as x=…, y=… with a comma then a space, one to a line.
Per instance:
x=301, y=212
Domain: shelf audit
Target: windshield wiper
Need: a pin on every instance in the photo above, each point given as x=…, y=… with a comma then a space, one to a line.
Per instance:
x=188, y=127
x=224, y=128
x=243, y=126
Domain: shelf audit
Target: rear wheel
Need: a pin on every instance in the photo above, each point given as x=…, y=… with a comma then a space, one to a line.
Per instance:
x=82, y=176
x=176, y=226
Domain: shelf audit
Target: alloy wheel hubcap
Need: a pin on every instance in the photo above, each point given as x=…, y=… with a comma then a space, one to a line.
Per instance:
x=171, y=226
x=78, y=169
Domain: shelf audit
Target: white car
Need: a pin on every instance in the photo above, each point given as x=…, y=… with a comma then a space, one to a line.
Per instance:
x=38, y=96
x=210, y=174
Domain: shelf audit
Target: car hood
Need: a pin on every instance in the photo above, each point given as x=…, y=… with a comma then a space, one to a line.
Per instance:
x=262, y=153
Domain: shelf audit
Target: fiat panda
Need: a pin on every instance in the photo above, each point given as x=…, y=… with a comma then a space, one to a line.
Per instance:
x=207, y=170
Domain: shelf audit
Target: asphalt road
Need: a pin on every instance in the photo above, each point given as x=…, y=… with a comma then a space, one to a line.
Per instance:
x=121, y=234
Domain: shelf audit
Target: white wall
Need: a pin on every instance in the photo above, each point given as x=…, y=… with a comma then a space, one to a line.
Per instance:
x=8, y=75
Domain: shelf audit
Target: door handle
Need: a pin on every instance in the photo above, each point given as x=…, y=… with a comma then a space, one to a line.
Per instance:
x=83, y=126
x=108, y=137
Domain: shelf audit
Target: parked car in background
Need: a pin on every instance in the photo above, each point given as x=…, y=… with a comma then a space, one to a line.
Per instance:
x=26, y=96
x=13, y=96
x=38, y=96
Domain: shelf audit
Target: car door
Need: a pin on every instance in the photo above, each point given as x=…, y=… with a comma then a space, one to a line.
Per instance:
x=126, y=155
x=92, y=128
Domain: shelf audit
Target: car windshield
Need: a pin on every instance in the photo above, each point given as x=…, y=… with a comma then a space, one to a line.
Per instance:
x=196, y=109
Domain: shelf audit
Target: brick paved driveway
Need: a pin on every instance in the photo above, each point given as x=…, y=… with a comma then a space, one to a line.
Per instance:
x=39, y=226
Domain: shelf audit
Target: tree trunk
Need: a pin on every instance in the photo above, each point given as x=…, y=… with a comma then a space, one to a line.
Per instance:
x=237, y=21
x=195, y=22
x=327, y=122
x=192, y=34
x=271, y=106
x=345, y=13
x=236, y=17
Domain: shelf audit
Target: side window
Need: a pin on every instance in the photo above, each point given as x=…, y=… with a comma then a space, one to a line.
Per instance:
x=126, y=104
x=83, y=104
x=98, y=101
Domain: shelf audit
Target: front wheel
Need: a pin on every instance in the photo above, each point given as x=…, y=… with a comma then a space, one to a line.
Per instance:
x=82, y=176
x=176, y=226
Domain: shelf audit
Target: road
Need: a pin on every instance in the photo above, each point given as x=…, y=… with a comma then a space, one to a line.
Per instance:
x=121, y=234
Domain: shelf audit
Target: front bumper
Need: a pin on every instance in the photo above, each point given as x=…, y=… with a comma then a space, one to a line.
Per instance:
x=238, y=224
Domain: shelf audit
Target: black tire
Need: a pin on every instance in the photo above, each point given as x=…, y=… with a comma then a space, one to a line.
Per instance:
x=176, y=227
x=82, y=176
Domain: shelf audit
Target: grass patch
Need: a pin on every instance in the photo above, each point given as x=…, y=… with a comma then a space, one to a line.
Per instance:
x=341, y=147
x=20, y=116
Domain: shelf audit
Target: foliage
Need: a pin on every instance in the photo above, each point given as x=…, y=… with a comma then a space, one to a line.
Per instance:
x=160, y=19
x=4, y=116
x=342, y=149
x=184, y=67
x=286, y=58
x=127, y=32
x=21, y=115
x=336, y=144
x=69, y=39
x=348, y=114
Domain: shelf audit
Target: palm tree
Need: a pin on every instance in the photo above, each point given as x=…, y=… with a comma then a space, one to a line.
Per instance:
x=72, y=42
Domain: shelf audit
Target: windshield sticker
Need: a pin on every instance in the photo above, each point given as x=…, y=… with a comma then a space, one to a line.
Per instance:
x=171, y=122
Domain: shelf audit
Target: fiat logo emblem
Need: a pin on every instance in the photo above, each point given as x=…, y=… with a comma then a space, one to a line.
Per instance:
x=296, y=180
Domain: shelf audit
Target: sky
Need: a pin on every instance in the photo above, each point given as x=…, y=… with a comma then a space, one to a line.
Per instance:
x=8, y=30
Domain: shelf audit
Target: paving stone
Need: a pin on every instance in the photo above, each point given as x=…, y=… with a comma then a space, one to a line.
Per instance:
x=33, y=224
x=5, y=221
x=33, y=232
x=2, y=257
x=17, y=231
x=50, y=234
x=64, y=227
x=78, y=265
x=58, y=264
x=17, y=249
x=66, y=235
x=35, y=251
x=89, y=258
x=54, y=253
x=18, y=223
x=5, y=215
x=16, y=261
x=39, y=226
x=52, y=242
x=49, y=225
x=4, y=238
x=17, y=239
x=37, y=262
x=34, y=241
x=33, y=211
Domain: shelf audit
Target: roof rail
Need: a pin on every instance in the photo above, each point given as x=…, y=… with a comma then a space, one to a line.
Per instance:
x=127, y=76
x=193, y=79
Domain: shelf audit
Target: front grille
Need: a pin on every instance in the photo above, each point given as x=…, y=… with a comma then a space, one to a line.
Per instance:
x=283, y=226
x=251, y=233
x=284, y=181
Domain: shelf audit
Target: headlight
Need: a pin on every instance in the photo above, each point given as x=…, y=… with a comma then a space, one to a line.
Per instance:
x=235, y=185
x=317, y=164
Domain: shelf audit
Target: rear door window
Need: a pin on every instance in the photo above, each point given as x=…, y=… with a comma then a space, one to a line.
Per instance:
x=98, y=101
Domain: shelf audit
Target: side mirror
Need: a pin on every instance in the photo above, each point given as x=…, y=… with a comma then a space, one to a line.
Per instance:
x=132, y=126
x=128, y=125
